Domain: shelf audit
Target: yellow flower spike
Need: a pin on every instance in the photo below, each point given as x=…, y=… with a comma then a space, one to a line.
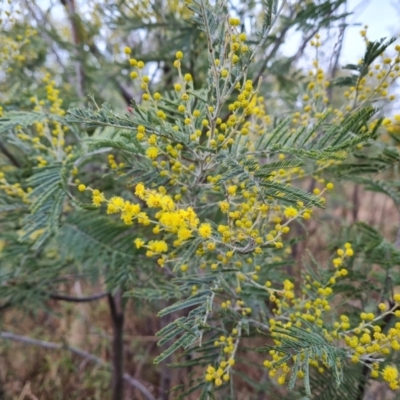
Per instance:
x=179, y=55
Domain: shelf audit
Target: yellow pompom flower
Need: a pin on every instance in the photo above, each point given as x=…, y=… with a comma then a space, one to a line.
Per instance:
x=382, y=306
x=152, y=152
x=290, y=212
x=390, y=373
x=232, y=190
x=234, y=21
x=224, y=73
x=140, y=190
x=158, y=246
x=205, y=230
x=138, y=243
x=224, y=206
x=97, y=198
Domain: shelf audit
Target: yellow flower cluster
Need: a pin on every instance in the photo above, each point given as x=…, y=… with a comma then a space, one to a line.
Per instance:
x=367, y=341
x=13, y=51
x=14, y=190
x=253, y=224
x=48, y=137
x=291, y=310
x=363, y=343
x=228, y=344
x=372, y=87
x=183, y=222
x=392, y=124
x=113, y=164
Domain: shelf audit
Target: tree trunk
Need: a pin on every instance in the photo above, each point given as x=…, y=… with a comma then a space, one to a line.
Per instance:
x=117, y=317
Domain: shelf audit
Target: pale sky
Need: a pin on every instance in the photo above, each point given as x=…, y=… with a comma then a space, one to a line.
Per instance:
x=382, y=18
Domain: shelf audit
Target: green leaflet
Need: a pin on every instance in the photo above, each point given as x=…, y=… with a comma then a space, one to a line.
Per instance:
x=183, y=341
x=21, y=118
x=307, y=344
x=191, y=301
x=47, y=198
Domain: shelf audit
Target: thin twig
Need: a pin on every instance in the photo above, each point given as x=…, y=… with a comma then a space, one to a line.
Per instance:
x=63, y=297
x=9, y=155
x=26, y=391
x=277, y=44
x=79, y=71
x=334, y=61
